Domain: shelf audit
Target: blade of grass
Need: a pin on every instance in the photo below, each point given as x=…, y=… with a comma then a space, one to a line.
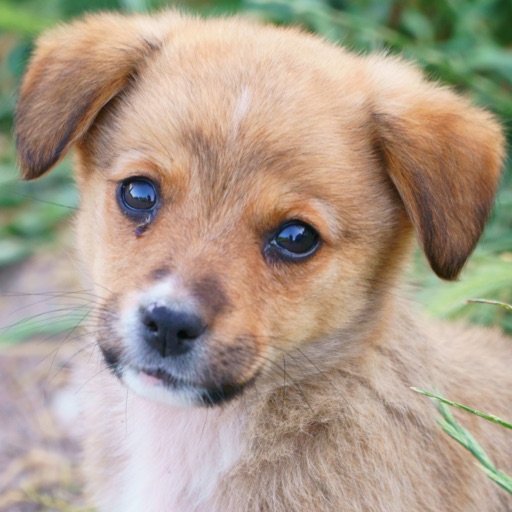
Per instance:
x=502, y=479
x=489, y=417
x=465, y=439
x=492, y=302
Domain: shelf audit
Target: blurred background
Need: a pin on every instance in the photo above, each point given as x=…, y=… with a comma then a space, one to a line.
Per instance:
x=464, y=43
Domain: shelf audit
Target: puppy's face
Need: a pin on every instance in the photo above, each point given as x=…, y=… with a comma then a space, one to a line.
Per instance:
x=248, y=193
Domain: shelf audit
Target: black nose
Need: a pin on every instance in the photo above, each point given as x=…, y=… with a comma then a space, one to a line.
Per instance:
x=170, y=332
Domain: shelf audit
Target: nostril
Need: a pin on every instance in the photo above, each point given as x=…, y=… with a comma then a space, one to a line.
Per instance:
x=151, y=325
x=183, y=335
x=192, y=329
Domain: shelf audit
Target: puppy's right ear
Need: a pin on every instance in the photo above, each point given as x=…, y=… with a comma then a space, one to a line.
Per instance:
x=75, y=70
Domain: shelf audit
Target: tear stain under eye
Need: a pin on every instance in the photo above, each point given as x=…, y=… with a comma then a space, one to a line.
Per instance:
x=139, y=230
x=142, y=226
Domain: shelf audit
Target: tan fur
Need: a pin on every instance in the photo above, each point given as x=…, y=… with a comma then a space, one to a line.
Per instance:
x=244, y=127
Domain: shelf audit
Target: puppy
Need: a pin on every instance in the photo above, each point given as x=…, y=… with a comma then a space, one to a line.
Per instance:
x=249, y=199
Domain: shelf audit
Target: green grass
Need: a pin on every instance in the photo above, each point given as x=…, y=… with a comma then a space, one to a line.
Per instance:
x=459, y=433
x=465, y=439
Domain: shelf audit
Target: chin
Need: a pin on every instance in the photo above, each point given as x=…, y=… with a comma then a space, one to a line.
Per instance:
x=153, y=388
x=163, y=388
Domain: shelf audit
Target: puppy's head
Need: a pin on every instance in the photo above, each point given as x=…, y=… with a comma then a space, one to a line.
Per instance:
x=248, y=193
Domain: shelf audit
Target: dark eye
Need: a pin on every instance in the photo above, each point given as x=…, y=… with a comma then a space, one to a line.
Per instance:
x=138, y=195
x=295, y=241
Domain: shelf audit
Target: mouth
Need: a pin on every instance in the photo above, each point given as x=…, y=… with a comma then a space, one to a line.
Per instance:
x=160, y=383
x=162, y=386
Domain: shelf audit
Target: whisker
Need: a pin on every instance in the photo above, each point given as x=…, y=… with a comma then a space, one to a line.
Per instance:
x=317, y=368
x=78, y=336
x=52, y=294
x=126, y=412
x=65, y=363
x=67, y=337
x=32, y=198
x=295, y=382
x=89, y=380
x=55, y=313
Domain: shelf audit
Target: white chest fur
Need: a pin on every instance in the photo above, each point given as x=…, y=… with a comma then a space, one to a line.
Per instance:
x=176, y=456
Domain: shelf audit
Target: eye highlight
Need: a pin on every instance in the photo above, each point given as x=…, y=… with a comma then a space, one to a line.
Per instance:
x=138, y=195
x=293, y=241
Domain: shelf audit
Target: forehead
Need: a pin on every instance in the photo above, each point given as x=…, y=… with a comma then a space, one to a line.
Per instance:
x=248, y=110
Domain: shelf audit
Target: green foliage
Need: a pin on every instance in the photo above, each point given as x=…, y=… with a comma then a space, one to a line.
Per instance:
x=465, y=43
x=30, y=213
x=462, y=42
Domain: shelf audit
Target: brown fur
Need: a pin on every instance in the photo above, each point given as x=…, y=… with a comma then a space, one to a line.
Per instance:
x=243, y=127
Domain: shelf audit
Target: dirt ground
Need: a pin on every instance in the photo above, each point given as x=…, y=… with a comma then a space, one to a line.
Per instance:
x=39, y=454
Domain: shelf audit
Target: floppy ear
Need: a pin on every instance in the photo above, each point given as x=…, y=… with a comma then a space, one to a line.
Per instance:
x=444, y=157
x=75, y=70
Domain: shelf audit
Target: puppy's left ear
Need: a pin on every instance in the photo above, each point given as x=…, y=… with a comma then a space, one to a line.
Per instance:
x=444, y=157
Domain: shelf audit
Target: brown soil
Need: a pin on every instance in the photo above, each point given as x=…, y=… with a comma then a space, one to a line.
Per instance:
x=39, y=454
